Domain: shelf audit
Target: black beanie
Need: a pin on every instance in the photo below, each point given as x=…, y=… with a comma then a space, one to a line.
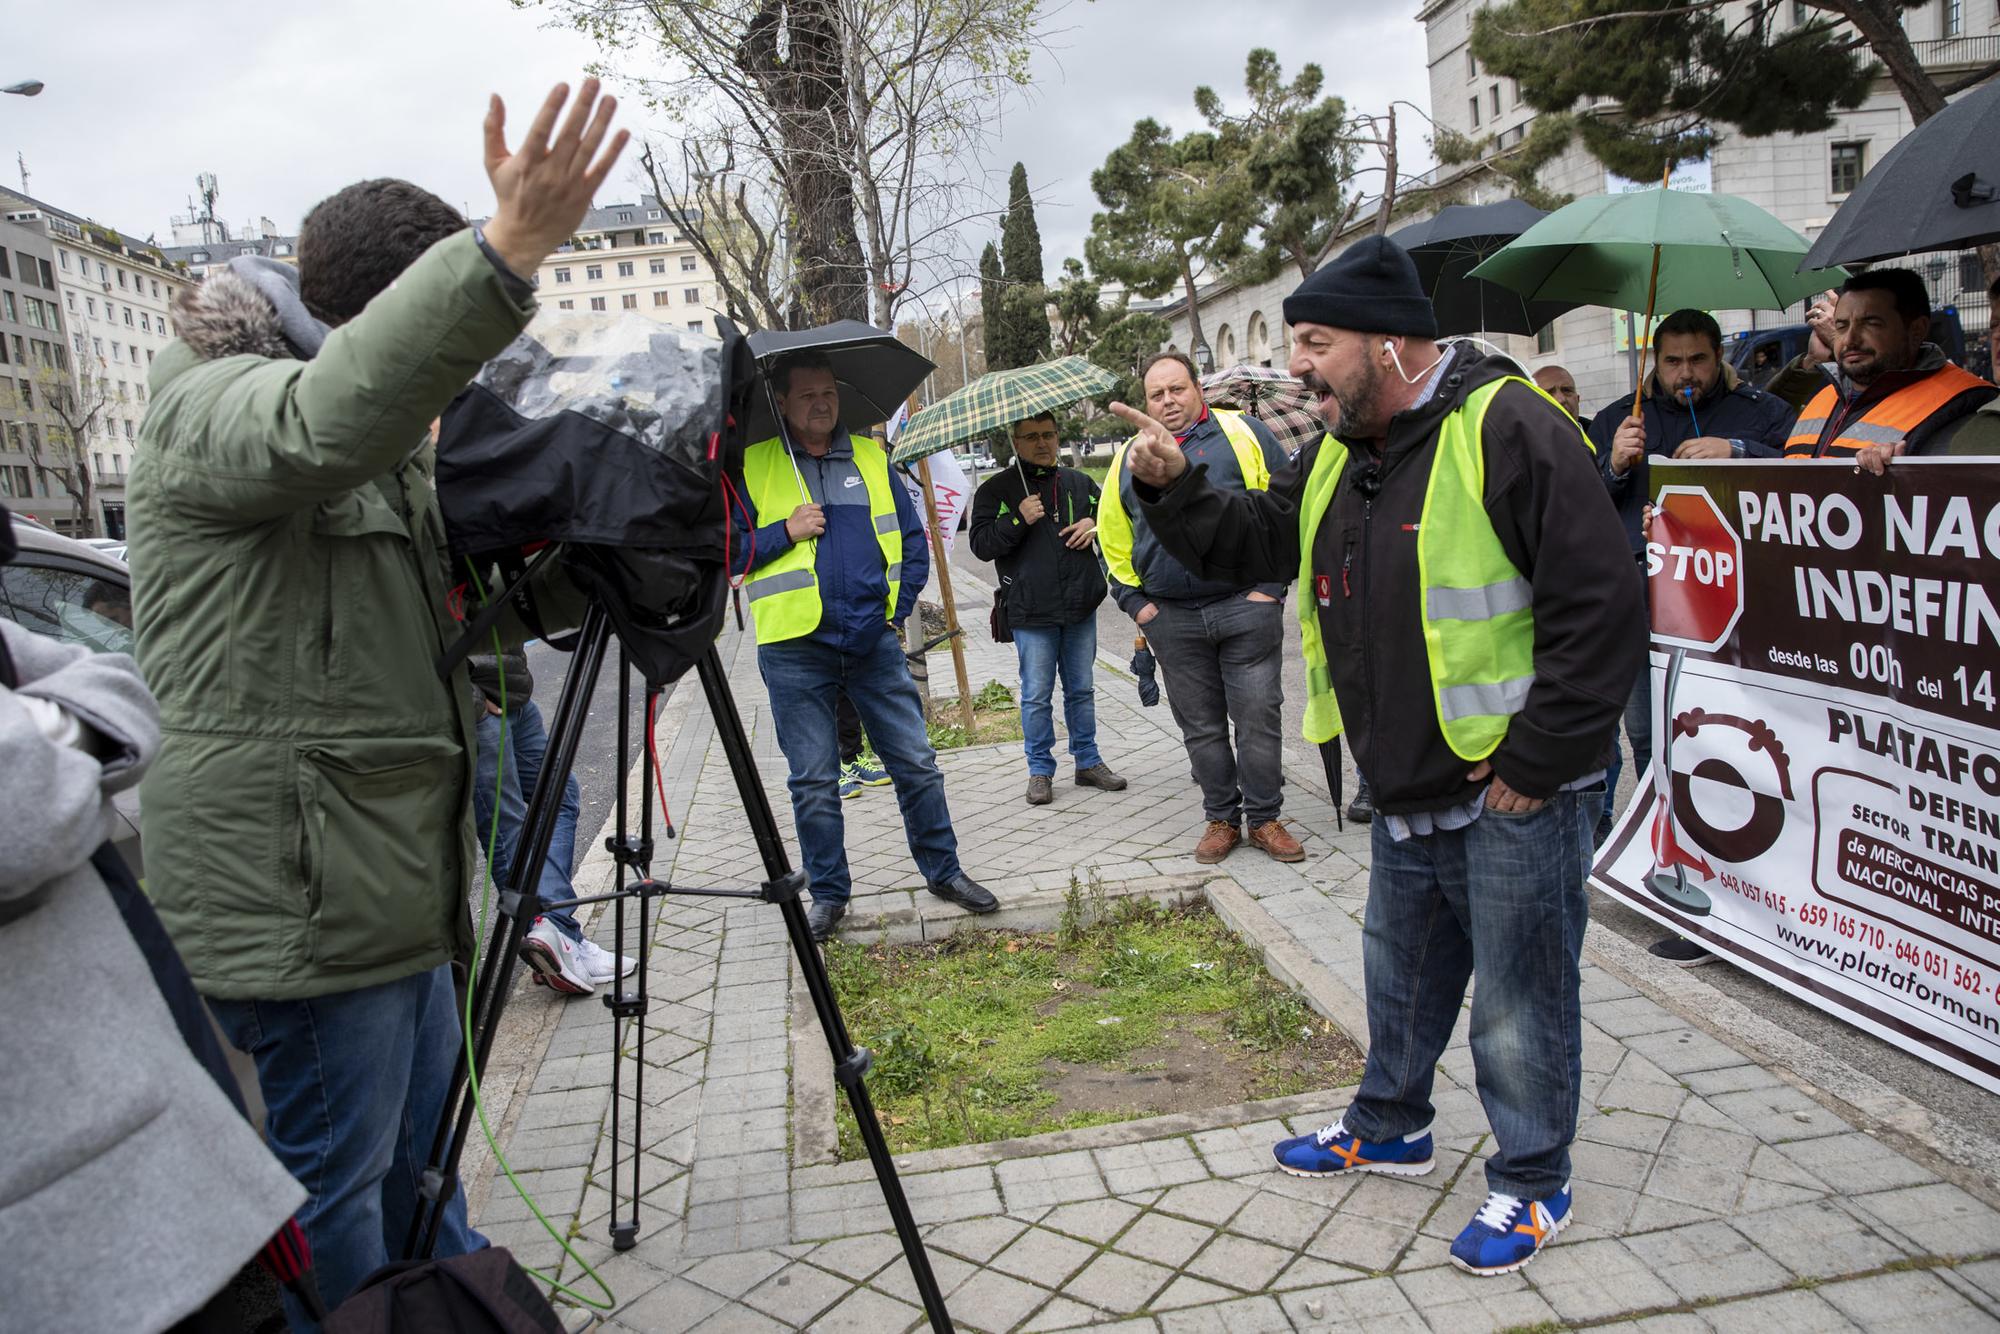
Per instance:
x=1371, y=288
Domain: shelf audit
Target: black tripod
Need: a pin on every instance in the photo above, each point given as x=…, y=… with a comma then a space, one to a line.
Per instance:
x=633, y=854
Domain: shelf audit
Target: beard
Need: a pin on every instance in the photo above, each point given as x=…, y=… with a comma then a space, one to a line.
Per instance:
x=1357, y=408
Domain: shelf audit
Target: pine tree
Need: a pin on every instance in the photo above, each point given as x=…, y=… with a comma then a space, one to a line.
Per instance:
x=992, y=298
x=1024, y=308
x=1020, y=238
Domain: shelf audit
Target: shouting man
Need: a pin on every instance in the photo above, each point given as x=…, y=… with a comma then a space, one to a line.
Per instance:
x=1469, y=616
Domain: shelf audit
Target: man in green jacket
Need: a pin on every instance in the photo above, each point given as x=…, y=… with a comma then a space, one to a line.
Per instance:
x=308, y=837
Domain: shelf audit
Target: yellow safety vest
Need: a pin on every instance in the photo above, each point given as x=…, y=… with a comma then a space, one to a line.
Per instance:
x=1114, y=524
x=784, y=593
x=1478, y=614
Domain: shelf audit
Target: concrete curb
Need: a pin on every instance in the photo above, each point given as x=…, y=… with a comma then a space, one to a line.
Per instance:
x=815, y=1137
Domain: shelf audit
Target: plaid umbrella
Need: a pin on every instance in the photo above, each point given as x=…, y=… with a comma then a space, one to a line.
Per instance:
x=1272, y=397
x=995, y=401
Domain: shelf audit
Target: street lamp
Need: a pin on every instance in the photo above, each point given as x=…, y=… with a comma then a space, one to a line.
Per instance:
x=1203, y=357
x=25, y=88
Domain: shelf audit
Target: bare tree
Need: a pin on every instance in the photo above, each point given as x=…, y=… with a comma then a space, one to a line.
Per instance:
x=58, y=447
x=863, y=116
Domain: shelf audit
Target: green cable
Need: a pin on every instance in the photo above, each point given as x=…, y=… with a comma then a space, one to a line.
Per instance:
x=471, y=1065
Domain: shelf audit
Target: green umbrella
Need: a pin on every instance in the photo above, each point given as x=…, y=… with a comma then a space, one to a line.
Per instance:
x=1714, y=252
x=998, y=399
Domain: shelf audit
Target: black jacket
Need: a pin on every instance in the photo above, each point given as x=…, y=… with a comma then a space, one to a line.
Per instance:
x=1548, y=507
x=1755, y=422
x=487, y=670
x=1044, y=581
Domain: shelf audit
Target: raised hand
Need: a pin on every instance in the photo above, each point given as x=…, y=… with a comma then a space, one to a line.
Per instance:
x=1628, y=446
x=1032, y=508
x=544, y=187
x=1155, y=457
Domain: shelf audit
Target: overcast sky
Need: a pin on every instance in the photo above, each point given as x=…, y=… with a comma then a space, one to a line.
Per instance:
x=288, y=103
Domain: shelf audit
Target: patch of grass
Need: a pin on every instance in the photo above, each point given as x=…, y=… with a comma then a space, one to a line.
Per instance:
x=994, y=718
x=969, y=1033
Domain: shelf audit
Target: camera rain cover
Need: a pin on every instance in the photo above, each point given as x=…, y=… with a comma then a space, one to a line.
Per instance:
x=608, y=435
x=594, y=429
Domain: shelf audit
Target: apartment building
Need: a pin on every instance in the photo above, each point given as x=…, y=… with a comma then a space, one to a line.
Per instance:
x=1799, y=179
x=32, y=356
x=117, y=294
x=633, y=257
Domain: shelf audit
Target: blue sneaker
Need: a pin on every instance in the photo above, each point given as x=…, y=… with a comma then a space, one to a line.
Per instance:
x=868, y=775
x=1507, y=1232
x=850, y=784
x=1331, y=1151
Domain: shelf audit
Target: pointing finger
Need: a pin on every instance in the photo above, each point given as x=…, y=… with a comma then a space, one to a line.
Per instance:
x=1136, y=418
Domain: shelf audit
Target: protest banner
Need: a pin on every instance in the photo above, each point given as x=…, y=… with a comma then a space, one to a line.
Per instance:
x=1824, y=806
x=953, y=492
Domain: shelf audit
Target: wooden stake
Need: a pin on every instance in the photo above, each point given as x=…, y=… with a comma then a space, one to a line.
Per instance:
x=941, y=562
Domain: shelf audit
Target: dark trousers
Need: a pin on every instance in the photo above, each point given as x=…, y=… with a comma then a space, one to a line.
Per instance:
x=1224, y=665
x=847, y=727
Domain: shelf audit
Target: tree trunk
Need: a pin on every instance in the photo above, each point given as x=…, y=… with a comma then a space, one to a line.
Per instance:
x=1880, y=25
x=1388, y=209
x=1196, y=338
x=805, y=87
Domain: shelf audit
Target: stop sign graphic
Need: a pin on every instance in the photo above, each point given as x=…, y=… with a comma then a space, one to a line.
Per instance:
x=1694, y=570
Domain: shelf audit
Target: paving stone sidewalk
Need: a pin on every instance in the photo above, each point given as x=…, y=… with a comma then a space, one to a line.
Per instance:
x=1711, y=1192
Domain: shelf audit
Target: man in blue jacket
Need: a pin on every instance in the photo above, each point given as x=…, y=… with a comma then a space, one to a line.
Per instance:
x=1693, y=407
x=836, y=557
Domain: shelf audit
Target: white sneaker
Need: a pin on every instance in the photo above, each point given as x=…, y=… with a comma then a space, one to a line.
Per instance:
x=557, y=961
x=598, y=962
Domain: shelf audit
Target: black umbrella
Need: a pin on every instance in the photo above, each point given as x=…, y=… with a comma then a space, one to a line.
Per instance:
x=1449, y=245
x=875, y=370
x=1939, y=189
x=1144, y=667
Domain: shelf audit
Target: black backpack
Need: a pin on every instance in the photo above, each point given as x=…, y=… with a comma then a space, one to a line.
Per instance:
x=483, y=1292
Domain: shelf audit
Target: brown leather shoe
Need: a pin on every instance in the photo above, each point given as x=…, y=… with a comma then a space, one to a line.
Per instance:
x=1220, y=840
x=1274, y=838
x=1040, y=792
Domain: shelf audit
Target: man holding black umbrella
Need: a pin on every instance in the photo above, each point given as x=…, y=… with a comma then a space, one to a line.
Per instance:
x=836, y=557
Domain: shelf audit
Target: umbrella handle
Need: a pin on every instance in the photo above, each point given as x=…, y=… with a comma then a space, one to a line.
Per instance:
x=1652, y=293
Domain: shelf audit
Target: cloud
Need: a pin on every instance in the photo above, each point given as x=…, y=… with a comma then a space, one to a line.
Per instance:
x=287, y=104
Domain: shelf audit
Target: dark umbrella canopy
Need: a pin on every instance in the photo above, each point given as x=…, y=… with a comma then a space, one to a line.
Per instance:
x=876, y=372
x=1939, y=189
x=1450, y=244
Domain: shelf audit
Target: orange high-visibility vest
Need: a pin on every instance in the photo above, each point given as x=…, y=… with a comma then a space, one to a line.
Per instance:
x=1885, y=423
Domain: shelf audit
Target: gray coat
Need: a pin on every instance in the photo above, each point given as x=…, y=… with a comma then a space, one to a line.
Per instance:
x=131, y=1190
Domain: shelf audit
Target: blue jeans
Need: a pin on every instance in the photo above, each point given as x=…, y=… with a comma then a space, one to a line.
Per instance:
x=527, y=742
x=804, y=676
x=354, y=1086
x=1044, y=651
x=1503, y=896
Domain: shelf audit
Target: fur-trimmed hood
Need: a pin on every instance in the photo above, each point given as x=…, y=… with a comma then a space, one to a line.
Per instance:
x=250, y=307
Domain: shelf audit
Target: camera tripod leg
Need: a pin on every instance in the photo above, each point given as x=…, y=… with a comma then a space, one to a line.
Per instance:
x=496, y=970
x=850, y=1064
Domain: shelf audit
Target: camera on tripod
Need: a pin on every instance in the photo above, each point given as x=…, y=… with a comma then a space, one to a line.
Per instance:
x=607, y=440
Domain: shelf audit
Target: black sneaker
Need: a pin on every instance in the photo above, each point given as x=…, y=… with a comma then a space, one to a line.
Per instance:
x=1680, y=950
x=966, y=892
x=1362, y=809
x=823, y=917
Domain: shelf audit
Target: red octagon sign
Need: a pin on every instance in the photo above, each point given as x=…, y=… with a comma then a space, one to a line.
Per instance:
x=1694, y=570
